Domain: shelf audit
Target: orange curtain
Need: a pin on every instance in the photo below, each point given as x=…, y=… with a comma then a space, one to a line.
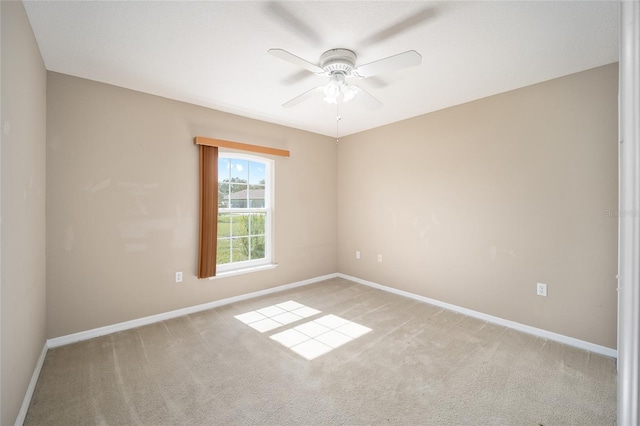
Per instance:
x=208, y=211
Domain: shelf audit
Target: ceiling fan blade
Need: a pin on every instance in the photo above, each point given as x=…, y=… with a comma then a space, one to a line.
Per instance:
x=297, y=77
x=300, y=28
x=377, y=82
x=293, y=59
x=401, y=26
x=407, y=59
x=303, y=97
x=366, y=99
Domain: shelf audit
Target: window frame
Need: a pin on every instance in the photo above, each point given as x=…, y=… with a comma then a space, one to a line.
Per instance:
x=257, y=264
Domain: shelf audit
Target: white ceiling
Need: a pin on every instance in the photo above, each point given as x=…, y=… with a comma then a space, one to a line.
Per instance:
x=215, y=53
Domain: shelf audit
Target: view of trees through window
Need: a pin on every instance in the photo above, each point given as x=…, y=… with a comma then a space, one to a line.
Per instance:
x=242, y=210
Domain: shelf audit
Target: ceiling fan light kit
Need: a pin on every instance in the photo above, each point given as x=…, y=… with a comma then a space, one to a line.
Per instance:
x=340, y=64
x=336, y=87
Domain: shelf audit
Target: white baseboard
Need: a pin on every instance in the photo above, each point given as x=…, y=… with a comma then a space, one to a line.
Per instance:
x=101, y=331
x=592, y=347
x=96, y=332
x=22, y=414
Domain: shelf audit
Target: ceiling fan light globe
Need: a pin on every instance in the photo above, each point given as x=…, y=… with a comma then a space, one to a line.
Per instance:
x=332, y=90
x=330, y=100
x=348, y=92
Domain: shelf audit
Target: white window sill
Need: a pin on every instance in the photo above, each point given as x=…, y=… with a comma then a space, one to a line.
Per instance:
x=244, y=271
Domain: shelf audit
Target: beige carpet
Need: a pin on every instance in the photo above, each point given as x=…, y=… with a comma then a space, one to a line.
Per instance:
x=419, y=365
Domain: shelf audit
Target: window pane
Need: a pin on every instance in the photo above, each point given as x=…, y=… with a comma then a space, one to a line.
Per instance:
x=224, y=167
x=238, y=196
x=256, y=196
x=223, y=254
x=240, y=225
x=257, y=223
x=256, y=173
x=239, y=249
x=239, y=170
x=224, y=189
x=257, y=247
x=224, y=225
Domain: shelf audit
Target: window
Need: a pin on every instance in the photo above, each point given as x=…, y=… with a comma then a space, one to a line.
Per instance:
x=244, y=211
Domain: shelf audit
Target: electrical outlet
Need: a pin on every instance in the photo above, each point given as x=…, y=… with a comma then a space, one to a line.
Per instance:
x=380, y=258
x=178, y=277
x=357, y=255
x=541, y=289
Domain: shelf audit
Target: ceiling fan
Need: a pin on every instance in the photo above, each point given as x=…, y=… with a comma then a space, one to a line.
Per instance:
x=339, y=65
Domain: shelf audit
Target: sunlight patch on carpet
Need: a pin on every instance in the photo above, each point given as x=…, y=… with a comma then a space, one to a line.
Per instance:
x=315, y=338
x=275, y=316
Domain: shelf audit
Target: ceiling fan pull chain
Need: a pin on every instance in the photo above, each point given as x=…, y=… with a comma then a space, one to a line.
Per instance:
x=338, y=118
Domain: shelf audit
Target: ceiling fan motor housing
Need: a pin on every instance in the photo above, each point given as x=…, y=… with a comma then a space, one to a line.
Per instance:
x=340, y=61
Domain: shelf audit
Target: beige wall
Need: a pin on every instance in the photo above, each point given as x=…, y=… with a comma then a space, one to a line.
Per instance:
x=122, y=194
x=471, y=205
x=23, y=290
x=474, y=204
